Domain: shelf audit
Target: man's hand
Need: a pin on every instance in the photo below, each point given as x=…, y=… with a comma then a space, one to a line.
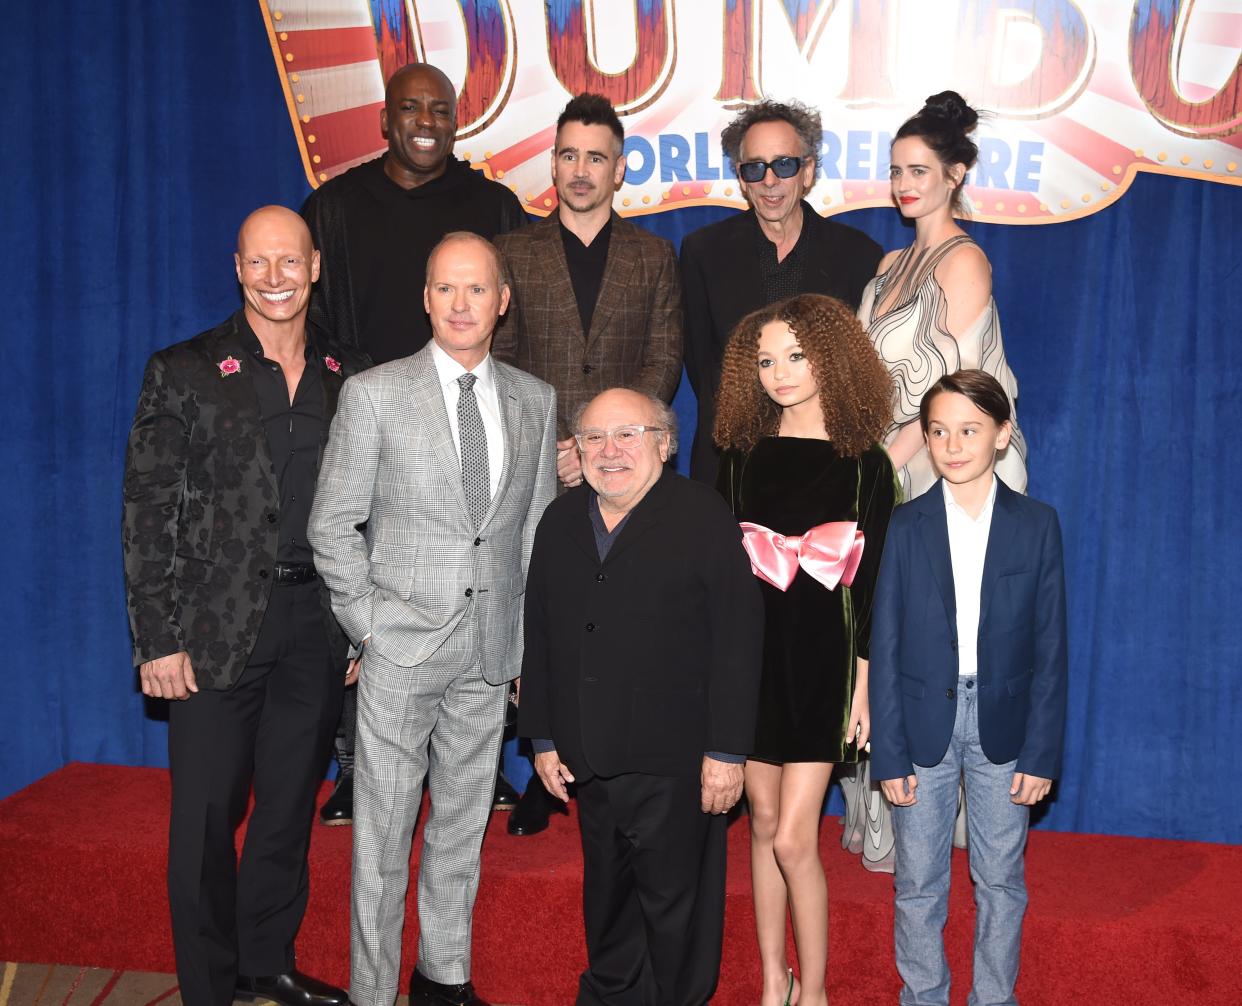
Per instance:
x=169, y=677
x=568, y=462
x=553, y=773
x=1028, y=789
x=354, y=667
x=900, y=792
x=722, y=785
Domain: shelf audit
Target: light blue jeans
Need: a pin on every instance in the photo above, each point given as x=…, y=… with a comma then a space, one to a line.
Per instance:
x=996, y=828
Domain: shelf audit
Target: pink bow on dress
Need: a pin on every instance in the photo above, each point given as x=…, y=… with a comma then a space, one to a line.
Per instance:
x=829, y=552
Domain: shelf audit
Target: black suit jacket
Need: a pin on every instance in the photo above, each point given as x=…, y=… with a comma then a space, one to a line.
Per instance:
x=201, y=505
x=721, y=285
x=644, y=662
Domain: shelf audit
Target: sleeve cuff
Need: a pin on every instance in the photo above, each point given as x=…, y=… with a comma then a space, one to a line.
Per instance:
x=728, y=759
x=541, y=745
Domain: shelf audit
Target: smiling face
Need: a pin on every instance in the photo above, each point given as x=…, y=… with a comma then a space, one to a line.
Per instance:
x=419, y=120
x=621, y=476
x=963, y=439
x=276, y=266
x=464, y=297
x=587, y=167
x=921, y=185
x=776, y=200
x=784, y=370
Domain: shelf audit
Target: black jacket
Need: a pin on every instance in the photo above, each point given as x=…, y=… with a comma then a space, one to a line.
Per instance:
x=201, y=507
x=721, y=284
x=648, y=660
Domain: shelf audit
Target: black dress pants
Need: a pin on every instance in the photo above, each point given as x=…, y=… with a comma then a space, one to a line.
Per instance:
x=653, y=891
x=273, y=728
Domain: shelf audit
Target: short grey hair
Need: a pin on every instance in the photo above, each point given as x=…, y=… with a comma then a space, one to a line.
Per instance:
x=804, y=119
x=498, y=259
x=663, y=412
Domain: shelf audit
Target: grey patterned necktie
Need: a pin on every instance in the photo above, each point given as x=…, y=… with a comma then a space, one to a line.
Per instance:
x=475, y=478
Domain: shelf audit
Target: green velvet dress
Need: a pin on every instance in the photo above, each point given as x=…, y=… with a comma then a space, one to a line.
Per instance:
x=812, y=635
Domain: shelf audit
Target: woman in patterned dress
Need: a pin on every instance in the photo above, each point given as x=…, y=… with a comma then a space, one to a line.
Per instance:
x=929, y=312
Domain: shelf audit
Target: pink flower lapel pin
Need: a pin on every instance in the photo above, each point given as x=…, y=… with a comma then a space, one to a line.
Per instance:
x=228, y=366
x=332, y=364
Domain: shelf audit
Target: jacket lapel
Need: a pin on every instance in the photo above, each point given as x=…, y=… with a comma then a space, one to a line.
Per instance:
x=1005, y=521
x=421, y=370
x=510, y=429
x=934, y=530
x=556, y=275
x=236, y=394
x=644, y=516
x=330, y=382
x=614, y=287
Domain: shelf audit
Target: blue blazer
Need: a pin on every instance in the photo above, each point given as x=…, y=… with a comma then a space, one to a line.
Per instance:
x=1021, y=645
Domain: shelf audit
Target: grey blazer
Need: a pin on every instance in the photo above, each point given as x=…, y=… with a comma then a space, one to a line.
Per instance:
x=419, y=567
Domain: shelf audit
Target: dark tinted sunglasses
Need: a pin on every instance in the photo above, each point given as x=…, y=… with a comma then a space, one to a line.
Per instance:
x=782, y=167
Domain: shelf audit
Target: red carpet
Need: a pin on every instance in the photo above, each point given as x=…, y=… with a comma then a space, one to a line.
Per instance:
x=1111, y=920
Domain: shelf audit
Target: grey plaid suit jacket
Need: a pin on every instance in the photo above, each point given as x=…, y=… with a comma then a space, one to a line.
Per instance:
x=635, y=337
x=420, y=567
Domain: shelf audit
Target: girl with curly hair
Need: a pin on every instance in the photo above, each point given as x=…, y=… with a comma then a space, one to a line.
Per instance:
x=803, y=402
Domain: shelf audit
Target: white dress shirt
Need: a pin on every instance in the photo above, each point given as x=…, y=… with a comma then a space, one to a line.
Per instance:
x=968, y=545
x=448, y=371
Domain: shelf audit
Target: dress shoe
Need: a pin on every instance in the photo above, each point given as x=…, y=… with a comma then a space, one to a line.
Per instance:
x=290, y=989
x=425, y=992
x=531, y=814
x=339, y=807
x=506, y=796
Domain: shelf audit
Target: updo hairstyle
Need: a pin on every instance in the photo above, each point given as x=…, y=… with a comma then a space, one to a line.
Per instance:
x=945, y=123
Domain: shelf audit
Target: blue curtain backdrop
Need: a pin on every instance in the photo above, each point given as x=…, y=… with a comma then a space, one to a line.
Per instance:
x=137, y=141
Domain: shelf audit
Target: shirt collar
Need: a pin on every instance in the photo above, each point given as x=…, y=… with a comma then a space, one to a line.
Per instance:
x=448, y=369
x=985, y=514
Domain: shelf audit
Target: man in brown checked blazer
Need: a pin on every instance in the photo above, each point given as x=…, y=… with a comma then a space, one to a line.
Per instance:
x=596, y=304
x=230, y=619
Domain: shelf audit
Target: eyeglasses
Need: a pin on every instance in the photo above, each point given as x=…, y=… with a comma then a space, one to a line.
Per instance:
x=782, y=167
x=624, y=437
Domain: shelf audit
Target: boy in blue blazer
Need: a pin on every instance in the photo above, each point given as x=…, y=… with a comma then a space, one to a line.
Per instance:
x=968, y=681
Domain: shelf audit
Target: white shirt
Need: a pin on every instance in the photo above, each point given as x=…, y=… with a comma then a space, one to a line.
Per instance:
x=448, y=370
x=968, y=545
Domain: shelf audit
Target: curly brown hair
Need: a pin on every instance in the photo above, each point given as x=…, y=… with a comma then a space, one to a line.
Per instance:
x=855, y=389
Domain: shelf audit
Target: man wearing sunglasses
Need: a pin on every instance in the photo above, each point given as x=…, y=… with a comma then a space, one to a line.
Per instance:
x=640, y=673
x=779, y=248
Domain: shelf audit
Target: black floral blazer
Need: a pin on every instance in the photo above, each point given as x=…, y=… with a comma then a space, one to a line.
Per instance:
x=201, y=506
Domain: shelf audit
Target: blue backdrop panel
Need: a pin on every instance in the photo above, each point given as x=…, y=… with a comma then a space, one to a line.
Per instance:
x=137, y=143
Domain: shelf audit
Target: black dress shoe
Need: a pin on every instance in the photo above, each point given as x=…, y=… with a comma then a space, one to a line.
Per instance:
x=506, y=796
x=425, y=992
x=291, y=989
x=339, y=807
x=531, y=814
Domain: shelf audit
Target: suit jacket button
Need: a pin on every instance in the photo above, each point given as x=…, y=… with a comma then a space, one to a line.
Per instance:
x=600, y=578
x=478, y=542
x=587, y=368
x=271, y=518
x=590, y=626
x=948, y=693
x=263, y=574
x=470, y=592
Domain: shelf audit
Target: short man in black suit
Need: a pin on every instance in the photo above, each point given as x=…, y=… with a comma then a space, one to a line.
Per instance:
x=643, y=632
x=779, y=248
x=230, y=620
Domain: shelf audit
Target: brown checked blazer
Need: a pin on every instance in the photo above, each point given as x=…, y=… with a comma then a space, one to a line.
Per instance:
x=635, y=337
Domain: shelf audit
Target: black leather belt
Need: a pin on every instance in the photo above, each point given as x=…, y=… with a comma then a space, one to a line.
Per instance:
x=294, y=572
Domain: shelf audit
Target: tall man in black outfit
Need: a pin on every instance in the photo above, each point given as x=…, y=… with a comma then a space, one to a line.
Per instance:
x=643, y=637
x=229, y=618
x=375, y=225
x=778, y=248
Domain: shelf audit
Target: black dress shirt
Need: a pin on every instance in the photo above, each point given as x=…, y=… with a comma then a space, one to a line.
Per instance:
x=784, y=278
x=294, y=433
x=586, y=269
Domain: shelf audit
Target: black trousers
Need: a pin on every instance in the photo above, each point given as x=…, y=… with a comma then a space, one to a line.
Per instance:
x=653, y=891
x=273, y=728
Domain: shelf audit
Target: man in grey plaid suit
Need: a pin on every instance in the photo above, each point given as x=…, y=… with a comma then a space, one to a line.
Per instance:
x=449, y=458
